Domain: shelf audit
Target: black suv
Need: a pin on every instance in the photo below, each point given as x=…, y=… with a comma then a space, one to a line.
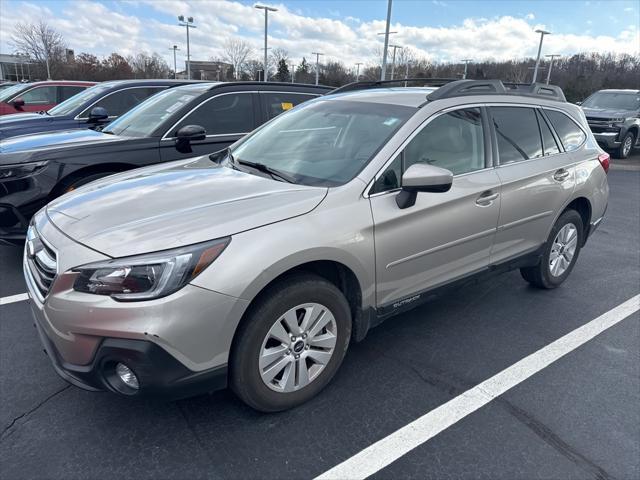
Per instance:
x=614, y=119
x=177, y=123
x=95, y=106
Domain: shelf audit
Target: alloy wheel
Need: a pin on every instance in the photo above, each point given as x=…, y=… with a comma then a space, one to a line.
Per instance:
x=563, y=250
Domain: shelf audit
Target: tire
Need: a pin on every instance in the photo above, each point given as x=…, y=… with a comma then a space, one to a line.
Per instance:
x=543, y=275
x=248, y=378
x=626, y=146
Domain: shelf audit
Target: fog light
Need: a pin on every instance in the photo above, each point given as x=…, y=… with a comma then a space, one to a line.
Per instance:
x=127, y=376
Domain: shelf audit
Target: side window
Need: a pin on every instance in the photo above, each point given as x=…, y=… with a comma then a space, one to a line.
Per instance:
x=390, y=179
x=68, y=91
x=548, y=141
x=225, y=114
x=40, y=96
x=274, y=103
x=122, y=101
x=570, y=134
x=517, y=133
x=453, y=141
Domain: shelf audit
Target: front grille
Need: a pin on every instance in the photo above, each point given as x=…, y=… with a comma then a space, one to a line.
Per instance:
x=40, y=262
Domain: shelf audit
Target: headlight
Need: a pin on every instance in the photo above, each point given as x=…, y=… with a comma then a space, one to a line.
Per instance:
x=617, y=120
x=149, y=276
x=20, y=170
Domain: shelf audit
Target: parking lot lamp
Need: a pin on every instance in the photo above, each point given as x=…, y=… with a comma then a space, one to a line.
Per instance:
x=393, y=61
x=317, y=54
x=266, y=26
x=535, y=70
x=358, y=71
x=175, y=65
x=466, y=65
x=386, y=41
x=189, y=24
x=552, y=56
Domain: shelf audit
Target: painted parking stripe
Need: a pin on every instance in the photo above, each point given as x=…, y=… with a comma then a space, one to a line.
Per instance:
x=20, y=297
x=402, y=441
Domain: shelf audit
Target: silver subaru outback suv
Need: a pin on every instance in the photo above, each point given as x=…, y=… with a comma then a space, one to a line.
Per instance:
x=256, y=267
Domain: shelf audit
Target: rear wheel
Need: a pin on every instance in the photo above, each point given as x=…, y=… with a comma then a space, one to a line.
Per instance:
x=291, y=344
x=624, y=150
x=560, y=253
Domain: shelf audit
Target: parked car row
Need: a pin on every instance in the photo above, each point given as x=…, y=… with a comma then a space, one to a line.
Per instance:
x=38, y=96
x=273, y=224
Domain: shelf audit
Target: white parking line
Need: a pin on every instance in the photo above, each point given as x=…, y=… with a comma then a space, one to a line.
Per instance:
x=20, y=297
x=402, y=441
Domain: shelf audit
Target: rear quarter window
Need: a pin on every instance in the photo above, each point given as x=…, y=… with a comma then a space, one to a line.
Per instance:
x=571, y=135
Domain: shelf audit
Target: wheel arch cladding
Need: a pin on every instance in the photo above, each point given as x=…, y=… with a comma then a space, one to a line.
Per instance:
x=112, y=167
x=583, y=206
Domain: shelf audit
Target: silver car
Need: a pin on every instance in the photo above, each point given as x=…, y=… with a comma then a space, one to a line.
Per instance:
x=256, y=267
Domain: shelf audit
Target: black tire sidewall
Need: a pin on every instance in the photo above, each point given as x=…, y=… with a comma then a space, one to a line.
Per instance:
x=573, y=217
x=620, y=153
x=244, y=369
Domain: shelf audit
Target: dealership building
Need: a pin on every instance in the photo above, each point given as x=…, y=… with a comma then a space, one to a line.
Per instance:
x=15, y=68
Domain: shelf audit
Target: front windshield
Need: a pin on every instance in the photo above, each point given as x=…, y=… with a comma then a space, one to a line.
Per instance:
x=7, y=93
x=144, y=119
x=324, y=142
x=78, y=100
x=613, y=101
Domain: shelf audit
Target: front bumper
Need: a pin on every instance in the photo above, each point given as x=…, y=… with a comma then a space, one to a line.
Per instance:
x=608, y=140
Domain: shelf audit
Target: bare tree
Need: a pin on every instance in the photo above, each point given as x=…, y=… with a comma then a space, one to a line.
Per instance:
x=40, y=42
x=148, y=66
x=236, y=52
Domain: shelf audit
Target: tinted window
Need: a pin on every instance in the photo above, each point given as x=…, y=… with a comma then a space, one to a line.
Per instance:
x=548, y=141
x=122, y=101
x=66, y=92
x=275, y=103
x=453, y=141
x=570, y=134
x=40, y=96
x=78, y=100
x=517, y=133
x=224, y=114
x=391, y=178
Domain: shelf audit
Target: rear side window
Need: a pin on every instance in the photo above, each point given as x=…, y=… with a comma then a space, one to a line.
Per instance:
x=274, y=103
x=122, y=101
x=548, y=141
x=570, y=134
x=517, y=134
x=225, y=114
x=68, y=91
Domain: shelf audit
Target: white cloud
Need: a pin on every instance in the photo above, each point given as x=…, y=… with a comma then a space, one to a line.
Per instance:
x=90, y=26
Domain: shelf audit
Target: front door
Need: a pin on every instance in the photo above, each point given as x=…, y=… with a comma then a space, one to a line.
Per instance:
x=444, y=236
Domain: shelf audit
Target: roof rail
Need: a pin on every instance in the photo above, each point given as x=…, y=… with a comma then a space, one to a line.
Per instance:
x=368, y=84
x=461, y=88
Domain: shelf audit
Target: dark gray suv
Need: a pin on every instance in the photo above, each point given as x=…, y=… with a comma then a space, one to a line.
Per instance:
x=614, y=119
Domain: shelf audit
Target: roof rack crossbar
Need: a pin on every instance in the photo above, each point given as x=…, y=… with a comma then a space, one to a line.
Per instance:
x=461, y=88
x=369, y=84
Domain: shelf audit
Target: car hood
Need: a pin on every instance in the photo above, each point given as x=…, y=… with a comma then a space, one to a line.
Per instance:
x=63, y=138
x=608, y=113
x=21, y=121
x=176, y=204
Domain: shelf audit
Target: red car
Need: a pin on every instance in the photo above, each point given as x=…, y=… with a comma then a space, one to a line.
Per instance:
x=38, y=96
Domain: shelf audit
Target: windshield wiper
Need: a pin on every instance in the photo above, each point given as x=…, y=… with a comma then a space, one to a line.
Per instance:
x=261, y=167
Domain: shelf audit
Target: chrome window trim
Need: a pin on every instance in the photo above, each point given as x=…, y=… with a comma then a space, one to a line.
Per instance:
x=80, y=117
x=212, y=135
x=166, y=135
x=418, y=129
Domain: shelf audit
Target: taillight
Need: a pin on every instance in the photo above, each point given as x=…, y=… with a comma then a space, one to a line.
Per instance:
x=603, y=158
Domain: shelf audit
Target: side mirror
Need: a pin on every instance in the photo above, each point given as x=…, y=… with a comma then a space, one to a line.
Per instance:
x=97, y=114
x=422, y=177
x=188, y=134
x=18, y=103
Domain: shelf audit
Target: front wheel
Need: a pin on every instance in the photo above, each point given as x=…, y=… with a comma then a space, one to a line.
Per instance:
x=560, y=253
x=624, y=150
x=291, y=343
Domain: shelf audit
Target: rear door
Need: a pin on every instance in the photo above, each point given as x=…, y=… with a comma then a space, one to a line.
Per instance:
x=65, y=92
x=537, y=179
x=121, y=101
x=226, y=117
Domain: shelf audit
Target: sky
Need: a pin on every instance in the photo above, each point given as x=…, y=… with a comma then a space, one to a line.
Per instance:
x=440, y=30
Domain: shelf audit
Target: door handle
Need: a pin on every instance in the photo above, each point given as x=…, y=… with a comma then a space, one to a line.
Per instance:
x=486, y=198
x=561, y=175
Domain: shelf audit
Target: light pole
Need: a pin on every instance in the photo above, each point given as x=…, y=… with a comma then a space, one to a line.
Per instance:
x=406, y=73
x=552, y=56
x=266, y=26
x=466, y=64
x=189, y=24
x=293, y=73
x=317, y=54
x=175, y=65
x=386, y=41
x=535, y=70
x=358, y=71
x=393, y=61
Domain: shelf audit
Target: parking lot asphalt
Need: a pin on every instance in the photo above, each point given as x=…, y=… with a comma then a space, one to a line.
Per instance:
x=576, y=419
